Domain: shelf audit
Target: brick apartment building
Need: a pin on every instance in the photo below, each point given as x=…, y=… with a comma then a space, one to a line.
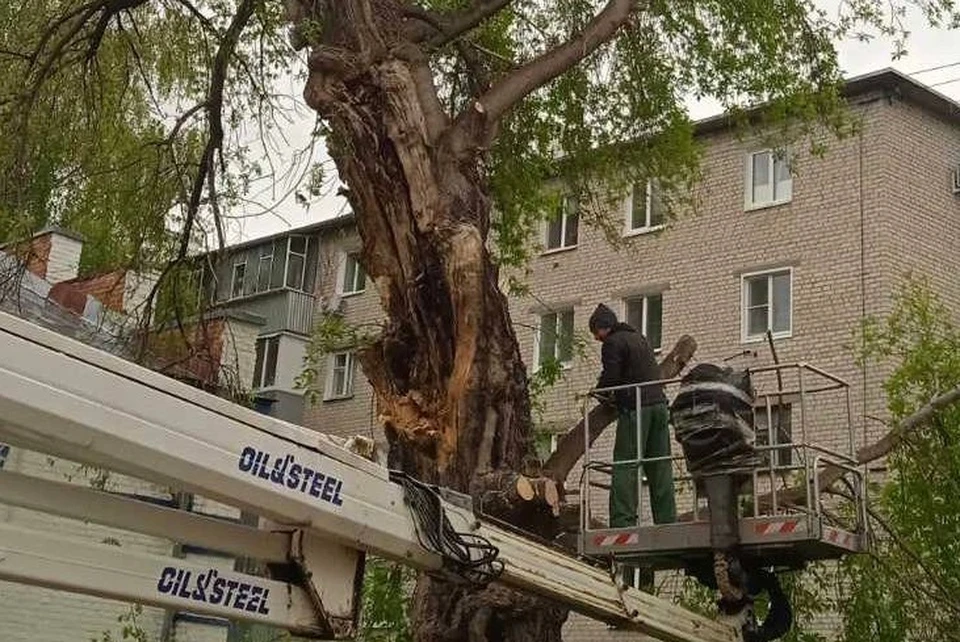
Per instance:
x=806, y=251
x=263, y=292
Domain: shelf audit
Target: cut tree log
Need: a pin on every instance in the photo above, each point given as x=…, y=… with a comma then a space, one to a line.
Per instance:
x=506, y=494
x=570, y=447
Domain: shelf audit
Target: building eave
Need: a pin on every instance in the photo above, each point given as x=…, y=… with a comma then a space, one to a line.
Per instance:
x=327, y=225
x=887, y=82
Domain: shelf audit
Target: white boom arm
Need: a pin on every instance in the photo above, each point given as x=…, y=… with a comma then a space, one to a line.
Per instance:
x=66, y=399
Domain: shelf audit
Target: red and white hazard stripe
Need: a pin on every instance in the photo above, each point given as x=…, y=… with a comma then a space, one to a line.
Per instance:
x=838, y=537
x=784, y=527
x=621, y=539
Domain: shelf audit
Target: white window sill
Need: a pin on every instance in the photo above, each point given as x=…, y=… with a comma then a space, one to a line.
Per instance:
x=641, y=231
x=558, y=250
x=338, y=398
x=760, y=338
x=276, y=388
x=753, y=207
x=347, y=295
x=259, y=293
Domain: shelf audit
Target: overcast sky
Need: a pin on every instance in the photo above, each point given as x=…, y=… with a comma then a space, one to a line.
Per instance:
x=926, y=48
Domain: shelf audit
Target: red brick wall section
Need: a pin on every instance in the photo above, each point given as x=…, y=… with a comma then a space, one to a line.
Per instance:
x=194, y=354
x=35, y=253
x=68, y=297
x=107, y=288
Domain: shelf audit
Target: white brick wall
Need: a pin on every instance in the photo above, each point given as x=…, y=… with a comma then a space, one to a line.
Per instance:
x=357, y=415
x=64, y=258
x=239, y=353
x=30, y=614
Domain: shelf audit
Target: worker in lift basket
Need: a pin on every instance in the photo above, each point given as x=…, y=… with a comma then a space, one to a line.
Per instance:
x=627, y=358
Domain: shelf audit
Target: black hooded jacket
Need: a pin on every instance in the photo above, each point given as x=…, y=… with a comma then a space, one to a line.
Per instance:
x=627, y=358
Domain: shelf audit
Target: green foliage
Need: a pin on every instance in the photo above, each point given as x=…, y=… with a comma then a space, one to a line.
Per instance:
x=102, y=130
x=330, y=334
x=548, y=373
x=387, y=593
x=910, y=589
x=130, y=628
x=619, y=119
x=98, y=127
x=75, y=151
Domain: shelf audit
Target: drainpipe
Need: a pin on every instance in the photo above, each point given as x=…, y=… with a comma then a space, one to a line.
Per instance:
x=863, y=283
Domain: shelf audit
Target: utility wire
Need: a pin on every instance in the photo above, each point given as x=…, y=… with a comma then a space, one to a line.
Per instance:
x=945, y=82
x=937, y=68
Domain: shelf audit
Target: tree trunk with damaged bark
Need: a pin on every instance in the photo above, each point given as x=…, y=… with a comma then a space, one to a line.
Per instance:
x=447, y=372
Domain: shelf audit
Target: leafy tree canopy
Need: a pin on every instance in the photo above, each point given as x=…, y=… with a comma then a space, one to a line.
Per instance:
x=133, y=121
x=910, y=589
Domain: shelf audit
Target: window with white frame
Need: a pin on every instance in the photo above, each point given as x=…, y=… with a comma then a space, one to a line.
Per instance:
x=545, y=444
x=353, y=279
x=768, y=179
x=197, y=281
x=237, y=279
x=767, y=304
x=265, y=363
x=555, y=338
x=340, y=372
x=645, y=211
x=778, y=416
x=265, y=268
x=563, y=230
x=645, y=314
x=296, y=269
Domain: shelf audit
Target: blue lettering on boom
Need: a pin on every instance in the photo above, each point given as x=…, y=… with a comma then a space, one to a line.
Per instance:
x=284, y=471
x=208, y=588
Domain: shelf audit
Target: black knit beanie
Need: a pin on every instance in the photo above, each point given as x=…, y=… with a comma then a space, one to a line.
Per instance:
x=602, y=317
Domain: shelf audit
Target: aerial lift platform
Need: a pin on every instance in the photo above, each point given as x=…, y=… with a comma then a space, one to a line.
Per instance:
x=784, y=520
x=326, y=506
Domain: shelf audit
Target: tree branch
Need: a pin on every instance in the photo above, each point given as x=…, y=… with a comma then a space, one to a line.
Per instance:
x=896, y=436
x=202, y=19
x=214, y=109
x=181, y=122
x=452, y=25
x=548, y=65
x=886, y=444
x=435, y=118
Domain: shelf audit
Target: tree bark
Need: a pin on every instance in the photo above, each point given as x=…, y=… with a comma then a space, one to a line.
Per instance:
x=449, y=380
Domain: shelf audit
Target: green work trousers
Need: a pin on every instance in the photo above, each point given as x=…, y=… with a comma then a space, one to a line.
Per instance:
x=655, y=434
